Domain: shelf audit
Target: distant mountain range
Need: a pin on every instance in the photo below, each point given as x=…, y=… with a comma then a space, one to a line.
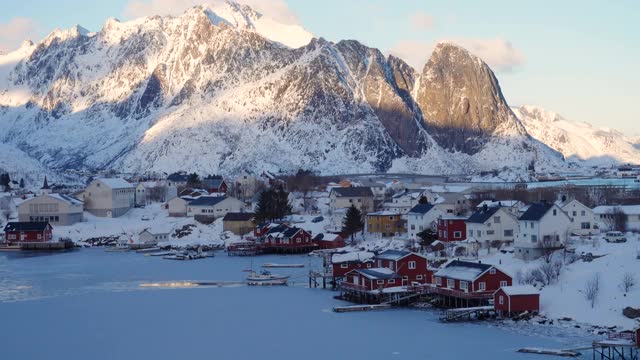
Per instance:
x=224, y=89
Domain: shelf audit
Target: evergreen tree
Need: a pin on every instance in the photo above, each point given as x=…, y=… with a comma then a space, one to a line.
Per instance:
x=21, y=183
x=427, y=236
x=352, y=222
x=193, y=180
x=272, y=205
x=5, y=180
x=262, y=208
x=423, y=200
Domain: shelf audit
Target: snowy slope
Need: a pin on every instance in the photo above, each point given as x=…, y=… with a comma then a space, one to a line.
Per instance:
x=219, y=90
x=579, y=141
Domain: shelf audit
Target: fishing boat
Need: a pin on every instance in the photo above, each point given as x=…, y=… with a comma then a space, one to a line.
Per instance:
x=266, y=278
x=272, y=265
x=186, y=256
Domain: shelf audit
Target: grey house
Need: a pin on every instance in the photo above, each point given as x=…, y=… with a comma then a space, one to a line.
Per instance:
x=109, y=197
x=57, y=209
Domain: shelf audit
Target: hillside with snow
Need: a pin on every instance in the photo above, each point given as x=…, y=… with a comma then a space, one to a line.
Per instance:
x=579, y=141
x=224, y=89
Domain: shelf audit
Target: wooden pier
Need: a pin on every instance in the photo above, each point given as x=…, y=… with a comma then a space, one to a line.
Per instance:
x=541, y=351
x=41, y=246
x=468, y=314
x=615, y=349
x=353, y=308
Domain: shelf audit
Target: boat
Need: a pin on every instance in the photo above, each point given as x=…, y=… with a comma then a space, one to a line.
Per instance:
x=10, y=247
x=272, y=265
x=121, y=246
x=148, y=250
x=266, y=278
x=186, y=256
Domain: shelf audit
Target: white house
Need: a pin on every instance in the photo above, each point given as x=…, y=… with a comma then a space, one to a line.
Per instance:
x=402, y=202
x=57, y=209
x=422, y=217
x=109, y=197
x=214, y=206
x=513, y=206
x=604, y=216
x=359, y=196
x=543, y=227
x=584, y=220
x=150, y=191
x=154, y=235
x=494, y=223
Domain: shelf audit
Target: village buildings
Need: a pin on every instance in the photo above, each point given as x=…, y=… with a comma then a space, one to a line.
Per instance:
x=26, y=232
x=542, y=228
x=345, y=197
x=154, y=235
x=239, y=223
x=492, y=224
x=465, y=279
x=583, y=220
x=422, y=217
x=510, y=300
x=605, y=215
x=385, y=223
x=452, y=228
x=328, y=240
x=214, y=206
x=57, y=209
x=109, y=197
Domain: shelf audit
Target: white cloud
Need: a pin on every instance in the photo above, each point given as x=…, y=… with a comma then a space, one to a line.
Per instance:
x=15, y=31
x=276, y=9
x=421, y=21
x=500, y=54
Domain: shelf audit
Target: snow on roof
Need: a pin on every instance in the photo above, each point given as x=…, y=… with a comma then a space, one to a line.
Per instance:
x=66, y=198
x=492, y=203
x=627, y=209
x=159, y=229
x=378, y=273
x=520, y=290
x=362, y=256
x=462, y=270
x=392, y=254
x=116, y=183
x=326, y=237
x=383, y=213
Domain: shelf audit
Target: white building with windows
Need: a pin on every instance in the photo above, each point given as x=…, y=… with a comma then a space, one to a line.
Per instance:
x=214, y=206
x=543, y=227
x=490, y=224
x=344, y=197
x=583, y=219
x=422, y=217
x=604, y=216
x=57, y=209
x=109, y=197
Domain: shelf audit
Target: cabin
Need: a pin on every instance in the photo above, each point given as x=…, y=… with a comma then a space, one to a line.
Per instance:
x=509, y=300
x=214, y=186
x=385, y=223
x=287, y=239
x=492, y=224
x=422, y=217
x=30, y=231
x=412, y=267
x=343, y=263
x=239, y=223
x=459, y=278
x=58, y=209
x=452, y=228
x=109, y=197
x=542, y=228
x=328, y=241
x=154, y=235
x=374, y=279
x=344, y=197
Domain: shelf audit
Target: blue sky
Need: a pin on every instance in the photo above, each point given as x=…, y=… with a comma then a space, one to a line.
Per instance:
x=577, y=58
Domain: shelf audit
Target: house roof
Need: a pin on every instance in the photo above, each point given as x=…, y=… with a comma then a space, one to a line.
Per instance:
x=207, y=200
x=378, y=273
x=354, y=256
x=212, y=183
x=421, y=209
x=358, y=191
x=26, y=226
x=277, y=228
x=116, y=183
x=233, y=216
x=289, y=232
x=536, y=211
x=326, y=237
x=462, y=270
x=178, y=177
x=483, y=215
x=392, y=254
x=520, y=290
x=384, y=213
x=490, y=203
x=66, y=198
x=627, y=209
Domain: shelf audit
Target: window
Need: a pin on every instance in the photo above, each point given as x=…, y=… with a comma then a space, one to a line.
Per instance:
x=412, y=264
x=298, y=240
x=464, y=285
x=451, y=283
x=391, y=265
x=438, y=279
x=419, y=277
x=574, y=213
x=585, y=225
x=12, y=236
x=492, y=271
x=555, y=212
x=479, y=232
x=380, y=282
x=503, y=283
x=457, y=234
x=392, y=281
x=413, y=226
x=501, y=300
x=39, y=236
x=368, y=265
x=583, y=213
x=508, y=233
x=496, y=219
x=482, y=286
x=534, y=238
x=490, y=232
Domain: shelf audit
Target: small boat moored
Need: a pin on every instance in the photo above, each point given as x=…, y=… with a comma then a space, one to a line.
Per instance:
x=266, y=278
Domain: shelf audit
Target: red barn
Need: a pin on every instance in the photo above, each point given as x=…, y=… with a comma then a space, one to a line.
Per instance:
x=464, y=277
x=328, y=241
x=452, y=228
x=411, y=267
x=516, y=299
x=15, y=232
x=343, y=263
x=370, y=279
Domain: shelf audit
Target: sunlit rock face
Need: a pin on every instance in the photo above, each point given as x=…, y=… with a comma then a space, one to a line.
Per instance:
x=218, y=91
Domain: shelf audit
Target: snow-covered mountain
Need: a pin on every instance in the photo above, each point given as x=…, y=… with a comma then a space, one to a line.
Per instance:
x=219, y=90
x=579, y=141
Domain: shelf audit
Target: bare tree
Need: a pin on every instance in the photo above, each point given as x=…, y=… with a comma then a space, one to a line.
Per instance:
x=628, y=281
x=616, y=219
x=592, y=289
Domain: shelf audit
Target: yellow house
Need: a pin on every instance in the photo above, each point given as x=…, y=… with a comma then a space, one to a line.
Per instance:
x=386, y=223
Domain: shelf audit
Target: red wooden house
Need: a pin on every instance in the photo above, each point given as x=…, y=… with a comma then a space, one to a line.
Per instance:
x=289, y=238
x=452, y=228
x=465, y=279
x=15, y=232
x=328, y=241
x=343, y=263
x=263, y=229
x=373, y=279
x=214, y=185
x=516, y=299
x=411, y=267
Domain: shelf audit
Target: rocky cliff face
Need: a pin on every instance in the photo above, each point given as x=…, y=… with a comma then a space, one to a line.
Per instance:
x=461, y=101
x=212, y=91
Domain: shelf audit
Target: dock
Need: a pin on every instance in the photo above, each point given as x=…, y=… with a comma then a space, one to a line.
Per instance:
x=467, y=314
x=353, y=308
x=38, y=246
x=542, y=351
